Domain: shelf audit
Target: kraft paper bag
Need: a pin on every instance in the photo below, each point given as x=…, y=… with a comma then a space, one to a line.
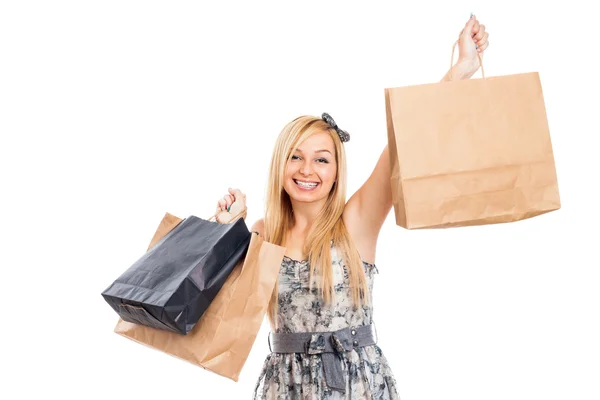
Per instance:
x=223, y=337
x=470, y=152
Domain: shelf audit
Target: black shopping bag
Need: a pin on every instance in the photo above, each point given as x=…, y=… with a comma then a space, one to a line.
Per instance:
x=172, y=284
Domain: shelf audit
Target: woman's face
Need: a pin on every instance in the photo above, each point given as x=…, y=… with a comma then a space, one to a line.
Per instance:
x=311, y=171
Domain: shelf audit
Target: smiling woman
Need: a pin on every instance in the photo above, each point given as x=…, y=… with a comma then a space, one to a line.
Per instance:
x=323, y=336
x=311, y=170
x=322, y=274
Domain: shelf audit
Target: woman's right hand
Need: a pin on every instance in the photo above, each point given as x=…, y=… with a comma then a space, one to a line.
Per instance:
x=230, y=206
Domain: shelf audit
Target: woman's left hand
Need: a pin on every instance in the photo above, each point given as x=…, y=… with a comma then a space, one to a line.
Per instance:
x=473, y=40
x=230, y=205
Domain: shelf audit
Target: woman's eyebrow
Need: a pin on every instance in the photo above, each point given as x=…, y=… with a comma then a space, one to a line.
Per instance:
x=318, y=151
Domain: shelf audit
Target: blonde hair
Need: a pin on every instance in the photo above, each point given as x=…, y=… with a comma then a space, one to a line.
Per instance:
x=329, y=225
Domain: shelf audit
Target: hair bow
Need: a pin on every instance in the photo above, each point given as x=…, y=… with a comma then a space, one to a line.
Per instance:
x=344, y=136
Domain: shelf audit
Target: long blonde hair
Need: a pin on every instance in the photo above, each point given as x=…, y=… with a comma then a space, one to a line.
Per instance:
x=329, y=225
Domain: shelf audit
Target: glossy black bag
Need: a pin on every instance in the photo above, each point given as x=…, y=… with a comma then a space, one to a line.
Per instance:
x=174, y=282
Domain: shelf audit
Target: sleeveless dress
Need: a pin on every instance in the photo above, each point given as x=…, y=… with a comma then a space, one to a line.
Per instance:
x=300, y=376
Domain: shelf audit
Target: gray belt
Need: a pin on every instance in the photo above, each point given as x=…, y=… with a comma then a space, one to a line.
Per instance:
x=328, y=344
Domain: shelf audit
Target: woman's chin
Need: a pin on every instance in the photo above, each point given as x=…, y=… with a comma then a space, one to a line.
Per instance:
x=303, y=195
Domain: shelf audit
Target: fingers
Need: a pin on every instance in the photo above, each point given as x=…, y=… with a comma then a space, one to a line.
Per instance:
x=476, y=28
x=235, y=195
x=471, y=22
x=478, y=35
x=225, y=202
x=238, y=196
x=483, y=46
x=483, y=42
x=468, y=27
x=228, y=200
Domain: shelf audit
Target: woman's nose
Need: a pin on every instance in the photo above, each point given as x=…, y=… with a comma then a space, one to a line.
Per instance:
x=306, y=169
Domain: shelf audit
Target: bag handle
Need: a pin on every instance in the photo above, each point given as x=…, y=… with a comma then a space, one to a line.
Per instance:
x=242, y=214
x=452, y=61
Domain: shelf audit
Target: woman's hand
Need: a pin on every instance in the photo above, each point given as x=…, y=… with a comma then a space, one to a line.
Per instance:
x=472, y=41
x=230, y=206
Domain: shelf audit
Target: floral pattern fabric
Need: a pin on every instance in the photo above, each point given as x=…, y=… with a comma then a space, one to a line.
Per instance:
x=300, y=376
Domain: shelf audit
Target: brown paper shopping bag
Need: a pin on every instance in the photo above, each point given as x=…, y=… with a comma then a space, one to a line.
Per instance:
x=470, y=152
x=223, y=337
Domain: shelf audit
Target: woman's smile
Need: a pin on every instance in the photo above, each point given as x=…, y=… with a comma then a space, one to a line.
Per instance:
x=306, y=185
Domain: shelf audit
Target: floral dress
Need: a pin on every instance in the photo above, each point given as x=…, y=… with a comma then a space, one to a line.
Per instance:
x=300, y=376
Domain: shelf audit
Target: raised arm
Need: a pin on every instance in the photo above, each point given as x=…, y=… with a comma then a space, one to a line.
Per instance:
x=368, y=208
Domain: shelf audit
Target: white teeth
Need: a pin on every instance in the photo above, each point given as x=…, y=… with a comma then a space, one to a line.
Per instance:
x=306, y=184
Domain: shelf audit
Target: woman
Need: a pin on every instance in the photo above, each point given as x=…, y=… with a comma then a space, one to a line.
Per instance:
x=323, y=337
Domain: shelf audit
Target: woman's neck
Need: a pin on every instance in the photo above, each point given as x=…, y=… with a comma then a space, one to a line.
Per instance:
x=306, y=213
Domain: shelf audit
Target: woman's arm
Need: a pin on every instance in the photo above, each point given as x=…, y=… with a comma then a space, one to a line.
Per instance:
x=368, y=208
x=461, y=70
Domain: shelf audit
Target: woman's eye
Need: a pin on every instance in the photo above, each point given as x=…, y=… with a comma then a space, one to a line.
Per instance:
x=319, y=160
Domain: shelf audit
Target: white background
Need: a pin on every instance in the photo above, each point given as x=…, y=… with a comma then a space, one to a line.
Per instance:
x=115, y=112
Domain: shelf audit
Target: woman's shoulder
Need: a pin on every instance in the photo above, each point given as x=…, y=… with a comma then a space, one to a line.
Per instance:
x=259, y=227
